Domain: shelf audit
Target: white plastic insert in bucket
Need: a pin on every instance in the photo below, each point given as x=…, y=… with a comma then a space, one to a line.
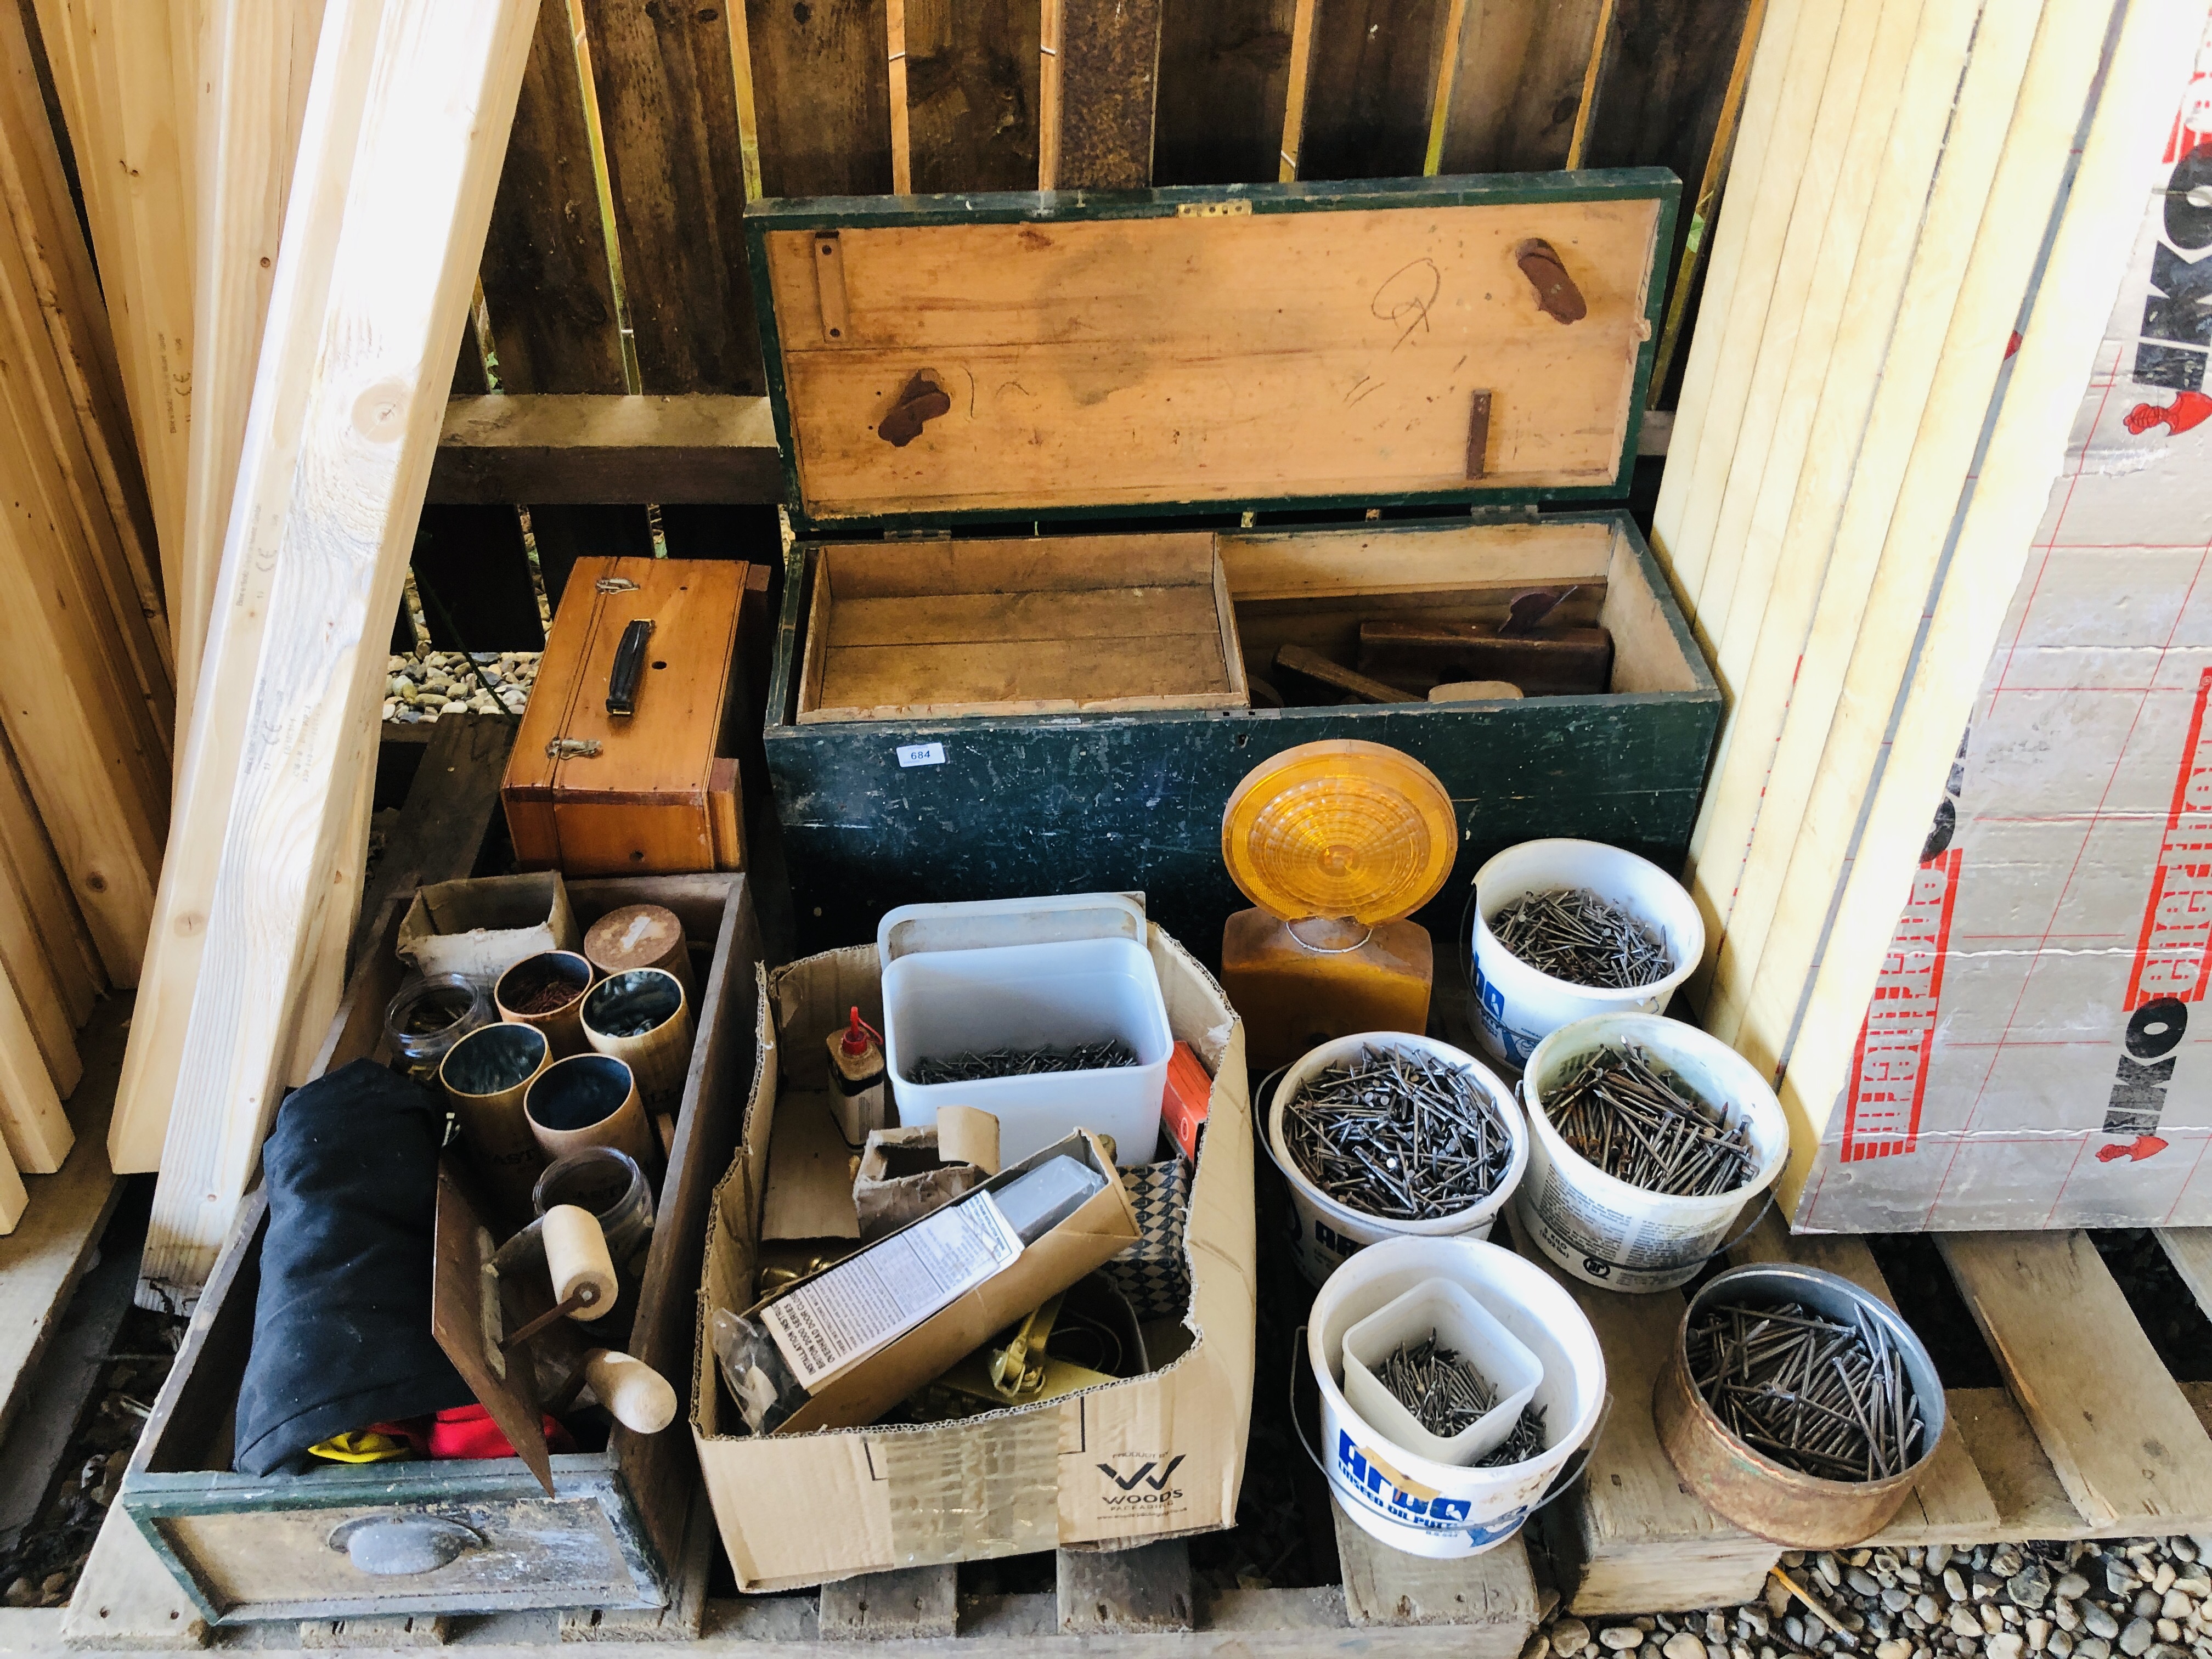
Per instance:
x=1599, y=1228
x=1329, y=1231
x=1412, y=1502
x=1444, y=1312
x=1517, y=1006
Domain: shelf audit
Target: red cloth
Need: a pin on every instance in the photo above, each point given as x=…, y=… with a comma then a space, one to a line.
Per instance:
x=467, y=1431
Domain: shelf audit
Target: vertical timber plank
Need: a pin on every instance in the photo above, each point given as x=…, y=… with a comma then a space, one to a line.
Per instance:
x=546, y=280
x=473, y=573
x=971, y=89
x=1225, y=74
x=1373, y=80
x=822, y=97
x=1519, y=85
x=1109, y=61
x=668, y=104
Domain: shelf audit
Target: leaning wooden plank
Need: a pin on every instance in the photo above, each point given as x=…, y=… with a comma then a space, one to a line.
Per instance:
x=1892, y=539
x=1298, y=89
x=908, y=1603
x=2123, y=1441
x=108, y=488
x=32, y=1122
x=407, y=119
x=2190, y=1249
x=255, y=60
x=133, y=67
x=80, y=734
x=1760, y=303
x=2148, y=70
x=125, y=1598
x=28, y=857
x=1950, y=1502
x=1489, y=1600
x=1919, y=229
x=13, y=1198
x=1731, y=239
x=23, y=960
x=58, y=1238
x=699, y=448
x=1108, y=1592
x=1858, y=107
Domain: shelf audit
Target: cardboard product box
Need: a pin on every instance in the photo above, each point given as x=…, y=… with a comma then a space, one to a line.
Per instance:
x=1149, y=1456
x=2037, y=1052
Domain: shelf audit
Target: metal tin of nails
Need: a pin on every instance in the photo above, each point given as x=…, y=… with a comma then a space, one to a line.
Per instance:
x=1750, y=1488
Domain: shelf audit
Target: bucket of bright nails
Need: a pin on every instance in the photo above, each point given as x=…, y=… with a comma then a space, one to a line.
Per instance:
x=1797, y=1406
x=1384, y=1135
x=1565, y=930
x=1648, y=1139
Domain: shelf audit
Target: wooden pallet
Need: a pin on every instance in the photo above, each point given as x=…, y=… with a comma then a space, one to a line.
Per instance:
x=1132, y=1602
x=2091, y=1437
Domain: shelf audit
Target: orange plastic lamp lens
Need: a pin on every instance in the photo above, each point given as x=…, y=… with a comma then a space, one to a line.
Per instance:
x=1340, y=828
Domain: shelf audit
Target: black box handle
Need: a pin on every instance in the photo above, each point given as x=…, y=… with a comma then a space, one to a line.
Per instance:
x=630, y=667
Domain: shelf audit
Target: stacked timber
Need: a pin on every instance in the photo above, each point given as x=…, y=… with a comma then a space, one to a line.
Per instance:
x=1861, y=456
x=87, y=664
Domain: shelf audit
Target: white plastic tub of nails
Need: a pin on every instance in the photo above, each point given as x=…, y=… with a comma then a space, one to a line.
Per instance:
x=1330, y=1229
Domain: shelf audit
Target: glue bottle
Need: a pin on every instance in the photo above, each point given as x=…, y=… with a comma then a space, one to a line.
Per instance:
x=856, y=1066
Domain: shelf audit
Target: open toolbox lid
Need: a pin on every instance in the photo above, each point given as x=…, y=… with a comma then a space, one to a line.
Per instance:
x=1025, y=356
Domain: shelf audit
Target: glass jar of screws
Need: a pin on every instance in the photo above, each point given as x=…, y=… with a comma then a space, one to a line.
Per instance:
x=1798, y=1404
x=1564, y=930
x=1385, y=1133
x=1649, y=1137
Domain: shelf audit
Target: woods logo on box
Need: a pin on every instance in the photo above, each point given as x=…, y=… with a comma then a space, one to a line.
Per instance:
x=1142, y=1481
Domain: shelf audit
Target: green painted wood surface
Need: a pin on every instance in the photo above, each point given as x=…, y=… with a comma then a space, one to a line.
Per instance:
x=1042, y=804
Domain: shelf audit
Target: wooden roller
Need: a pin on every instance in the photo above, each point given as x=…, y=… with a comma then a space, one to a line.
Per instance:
x=636, y=1395
x=577, y=1261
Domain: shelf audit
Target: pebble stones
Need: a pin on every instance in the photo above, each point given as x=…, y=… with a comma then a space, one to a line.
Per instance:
x=422, y=688
x=2135, y=1599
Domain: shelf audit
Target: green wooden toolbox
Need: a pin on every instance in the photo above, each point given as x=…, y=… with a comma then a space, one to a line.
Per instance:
x=1069, y=469
x=248, y=1547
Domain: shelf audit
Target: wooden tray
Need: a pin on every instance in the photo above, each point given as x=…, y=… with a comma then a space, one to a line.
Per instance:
x=246, y=1549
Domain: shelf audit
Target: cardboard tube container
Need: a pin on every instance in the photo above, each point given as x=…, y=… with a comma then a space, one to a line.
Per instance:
x=485, y=1076
x=524, y=986
x=643, y=1018
x=589, y=1100
x=640, y=936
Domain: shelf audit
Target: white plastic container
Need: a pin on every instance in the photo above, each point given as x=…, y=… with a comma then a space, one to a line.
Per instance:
x=1600, y=1229
x=963, y=978
x=1448, y=1311
x=1328, y=1232
x=1517, y=1006
x=1413, y=1502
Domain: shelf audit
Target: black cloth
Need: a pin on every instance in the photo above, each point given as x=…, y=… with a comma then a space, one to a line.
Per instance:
x=342, y=1325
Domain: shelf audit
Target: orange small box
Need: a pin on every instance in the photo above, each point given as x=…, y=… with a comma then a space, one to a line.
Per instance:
x=1183, y=1106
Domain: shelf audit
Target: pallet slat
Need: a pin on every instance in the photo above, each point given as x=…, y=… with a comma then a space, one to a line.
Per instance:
x=1489, y=1600
x=911, y=1602
x=1103, y=1592
x=2122, y=1439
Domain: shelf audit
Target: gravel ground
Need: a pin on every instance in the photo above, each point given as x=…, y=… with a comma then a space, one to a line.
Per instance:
x=422, y=687
x=2144, y=1598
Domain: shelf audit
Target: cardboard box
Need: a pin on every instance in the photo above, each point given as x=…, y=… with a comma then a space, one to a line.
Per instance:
x=1151, y=1456
x=2037, y=1054
x=481, y=927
